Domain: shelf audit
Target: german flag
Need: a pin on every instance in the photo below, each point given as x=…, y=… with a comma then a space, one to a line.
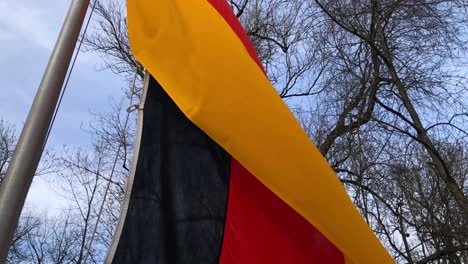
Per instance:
x=224, y=172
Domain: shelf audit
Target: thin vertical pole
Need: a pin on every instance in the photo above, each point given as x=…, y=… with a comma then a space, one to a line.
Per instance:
x=19, y=175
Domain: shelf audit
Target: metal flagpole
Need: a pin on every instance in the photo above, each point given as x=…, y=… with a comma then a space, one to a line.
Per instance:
x=15, y=185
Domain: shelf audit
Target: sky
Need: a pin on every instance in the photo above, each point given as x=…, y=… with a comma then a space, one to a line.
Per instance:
x=28, y=31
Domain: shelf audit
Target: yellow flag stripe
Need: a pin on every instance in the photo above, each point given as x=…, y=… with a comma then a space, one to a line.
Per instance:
x=204, y=67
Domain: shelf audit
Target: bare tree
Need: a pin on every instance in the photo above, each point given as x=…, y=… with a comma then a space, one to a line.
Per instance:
x=28, y=224
x=83, y=175
x=411, y=63
x=376, y=84
x=7, y=146
x=394, y=119
x=52, y=239
x=93, y=185
x=109, y=39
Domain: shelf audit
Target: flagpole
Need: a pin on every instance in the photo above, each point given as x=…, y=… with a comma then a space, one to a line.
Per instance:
x=19, y=175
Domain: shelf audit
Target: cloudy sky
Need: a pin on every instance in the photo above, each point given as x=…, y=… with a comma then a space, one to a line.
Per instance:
x=28, y=30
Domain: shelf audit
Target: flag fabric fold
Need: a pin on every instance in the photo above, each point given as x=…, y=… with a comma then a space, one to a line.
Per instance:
x=239, y=180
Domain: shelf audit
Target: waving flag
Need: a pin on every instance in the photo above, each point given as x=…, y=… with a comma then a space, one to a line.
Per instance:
x=225, y=173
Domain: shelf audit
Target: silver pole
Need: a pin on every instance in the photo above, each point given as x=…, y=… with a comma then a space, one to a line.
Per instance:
x=19, y=175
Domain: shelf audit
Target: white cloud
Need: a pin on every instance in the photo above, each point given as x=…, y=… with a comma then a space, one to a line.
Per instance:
x=31, y=22
x=28, y=31
x=44, y=197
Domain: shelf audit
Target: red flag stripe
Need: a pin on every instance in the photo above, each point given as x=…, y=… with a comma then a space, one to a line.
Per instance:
x=261, y=228
x=225, y=11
